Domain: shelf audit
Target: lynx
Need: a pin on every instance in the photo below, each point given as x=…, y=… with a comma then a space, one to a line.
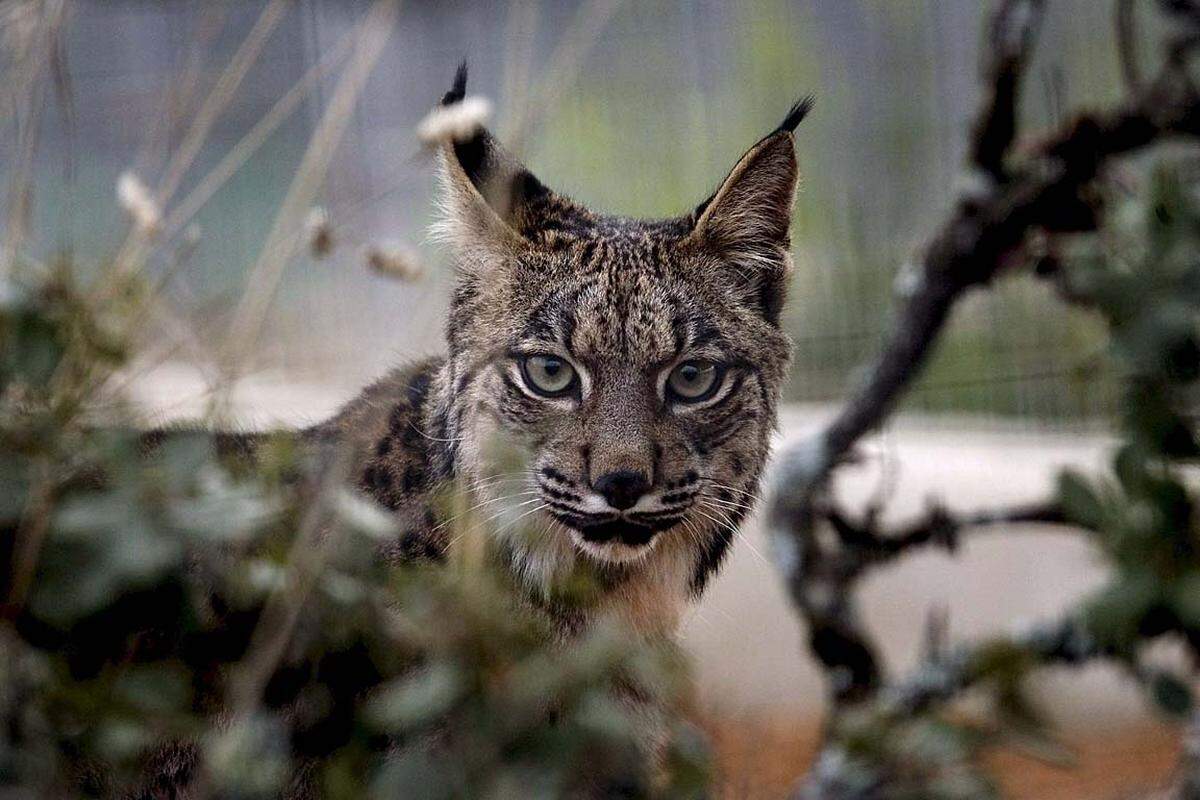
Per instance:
x=633, y=366
x=638, y=364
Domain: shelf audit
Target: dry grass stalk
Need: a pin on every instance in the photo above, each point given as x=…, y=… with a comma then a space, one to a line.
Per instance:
x=318, y=232
x=35, y=30
x=371, y=36
x=134, y=250
x=240, y=153
x=563, y=66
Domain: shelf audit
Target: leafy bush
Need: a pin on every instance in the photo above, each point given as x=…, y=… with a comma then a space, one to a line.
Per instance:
x=176, y=594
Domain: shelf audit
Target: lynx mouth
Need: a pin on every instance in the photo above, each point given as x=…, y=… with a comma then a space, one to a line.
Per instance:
x=630, y=534
x=615, y=542
x=606, y=536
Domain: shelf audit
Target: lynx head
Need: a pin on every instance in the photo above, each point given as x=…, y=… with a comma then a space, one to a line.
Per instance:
x=638, y=363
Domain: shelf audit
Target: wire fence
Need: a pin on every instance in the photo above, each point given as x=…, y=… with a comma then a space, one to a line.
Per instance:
x=635, y=108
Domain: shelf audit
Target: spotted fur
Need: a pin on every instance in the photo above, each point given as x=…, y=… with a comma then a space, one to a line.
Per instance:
x=622, y=301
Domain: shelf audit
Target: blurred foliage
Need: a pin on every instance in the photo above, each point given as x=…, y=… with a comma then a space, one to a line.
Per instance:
x=178, y=596
x=924, y=737
x=1143, y=278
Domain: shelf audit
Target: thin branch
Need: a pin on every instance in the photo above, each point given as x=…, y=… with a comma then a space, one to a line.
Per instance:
x=1013, y=30
x=1061, y=642
x=29, y=538
x=822, y=587
x=1125, y=23
x=938, y=528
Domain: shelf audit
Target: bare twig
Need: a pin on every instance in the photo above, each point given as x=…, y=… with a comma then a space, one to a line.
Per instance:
x=1013, y=30
x=1127, y=45
x=1061, y=642
x=938, y=528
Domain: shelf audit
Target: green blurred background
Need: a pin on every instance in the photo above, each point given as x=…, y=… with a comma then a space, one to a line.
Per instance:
x=636, y=108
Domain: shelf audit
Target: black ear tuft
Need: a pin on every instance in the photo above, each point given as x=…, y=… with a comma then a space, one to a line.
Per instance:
x=459, y=90
x=796, y=114
x=472, y=153
x=493, y=200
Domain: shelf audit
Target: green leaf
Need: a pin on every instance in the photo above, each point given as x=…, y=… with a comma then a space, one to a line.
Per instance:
x=1080, y=504
x=364, y=516
x=224, y=512
x=248, y=758
x=1114, y=615
x=1185, y=599
x=1129, y=464
x=419, y=699
x=1171, y=694
x=158, y=690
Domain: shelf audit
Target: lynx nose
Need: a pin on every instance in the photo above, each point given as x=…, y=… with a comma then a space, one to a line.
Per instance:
x=622, y=488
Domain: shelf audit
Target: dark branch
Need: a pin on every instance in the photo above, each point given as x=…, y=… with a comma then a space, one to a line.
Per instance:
x=1063, y=642
x=938, y=528
x=824, y=589
x=1044, y=193
x=1127, y=45
x=1014, y=28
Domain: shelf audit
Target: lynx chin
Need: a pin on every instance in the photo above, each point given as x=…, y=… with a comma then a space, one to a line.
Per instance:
x=633, y=365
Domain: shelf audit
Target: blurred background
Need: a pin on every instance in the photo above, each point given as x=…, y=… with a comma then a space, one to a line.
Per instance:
x=635, y=108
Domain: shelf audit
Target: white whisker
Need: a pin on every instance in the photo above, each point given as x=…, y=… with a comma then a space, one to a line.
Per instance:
x=480, y=505
x=483, y=523
x=736, y=531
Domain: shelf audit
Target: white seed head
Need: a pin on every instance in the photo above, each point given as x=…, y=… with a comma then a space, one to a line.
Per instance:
x=138, y=202
x=318, y=232
x=455, y=122
x=395, y=260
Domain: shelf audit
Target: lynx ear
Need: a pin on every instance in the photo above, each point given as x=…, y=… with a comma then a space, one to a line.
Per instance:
x=493, y=205
x=745, y=222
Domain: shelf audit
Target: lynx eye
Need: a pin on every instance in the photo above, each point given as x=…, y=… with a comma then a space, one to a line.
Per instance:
x=547, y=375
x=693, y=381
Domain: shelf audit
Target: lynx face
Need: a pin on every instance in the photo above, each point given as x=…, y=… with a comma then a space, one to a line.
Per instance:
x=637, y=364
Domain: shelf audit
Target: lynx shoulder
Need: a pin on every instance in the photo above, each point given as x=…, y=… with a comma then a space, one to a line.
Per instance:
x=635, y=366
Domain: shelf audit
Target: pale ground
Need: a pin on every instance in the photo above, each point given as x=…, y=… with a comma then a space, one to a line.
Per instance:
x=749, y=651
